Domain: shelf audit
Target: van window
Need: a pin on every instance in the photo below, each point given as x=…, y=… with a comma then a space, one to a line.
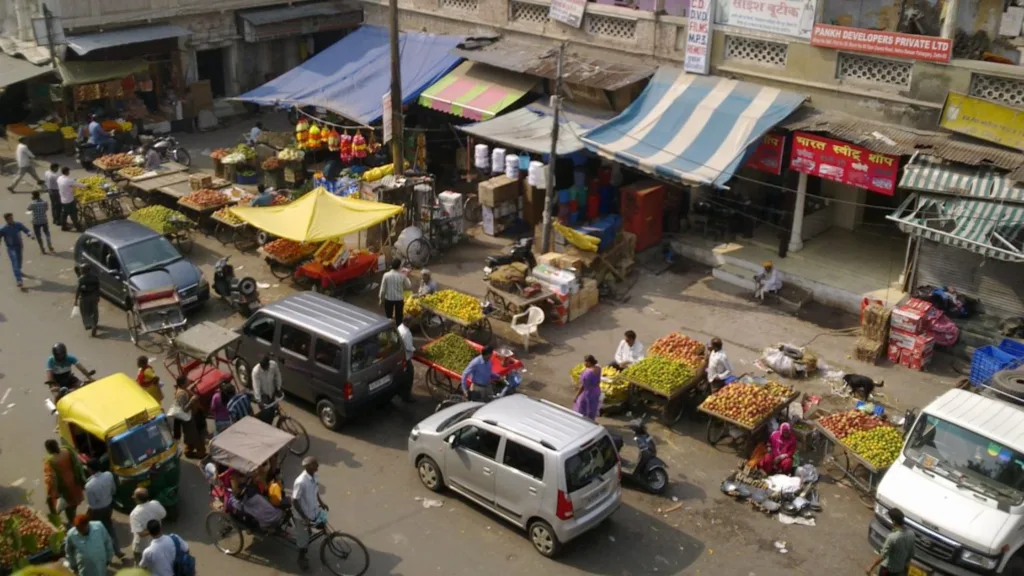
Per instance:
x=262, y=329
x=326, y=353
x=592, y=461
x=483, y=442
x=295, y=340
x=526, y=460
x=373, y=349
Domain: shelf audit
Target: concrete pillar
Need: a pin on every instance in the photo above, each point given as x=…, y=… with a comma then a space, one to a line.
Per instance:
x=796, y=237
x=232, y=64
x=950, y=8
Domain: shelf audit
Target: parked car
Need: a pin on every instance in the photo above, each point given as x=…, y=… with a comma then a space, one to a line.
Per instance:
x=125, y=253
x=536, y=464
x=332, y=354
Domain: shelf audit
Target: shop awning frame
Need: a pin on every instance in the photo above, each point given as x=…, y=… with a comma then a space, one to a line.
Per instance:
x=85, y=72
x=690, y=128
x=14, y=70
x=274, y=23
x=476, y=91
x=86, y=43
x=975, y=209
x=529, y=128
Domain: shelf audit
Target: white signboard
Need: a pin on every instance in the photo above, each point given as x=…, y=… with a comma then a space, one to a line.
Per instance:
x=387, y=116
x=698, y=37
x=787, y=17
x=569, y=12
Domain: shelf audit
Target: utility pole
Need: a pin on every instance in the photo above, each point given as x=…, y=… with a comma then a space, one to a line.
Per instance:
x=397, y=126
x=549, y=196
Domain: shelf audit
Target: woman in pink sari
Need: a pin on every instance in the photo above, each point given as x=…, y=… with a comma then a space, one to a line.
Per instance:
x=782, y=447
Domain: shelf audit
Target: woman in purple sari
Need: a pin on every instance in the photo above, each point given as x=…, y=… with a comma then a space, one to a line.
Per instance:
x=588, y=397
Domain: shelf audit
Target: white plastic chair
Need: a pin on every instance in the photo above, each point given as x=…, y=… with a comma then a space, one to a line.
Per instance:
x=534, y=317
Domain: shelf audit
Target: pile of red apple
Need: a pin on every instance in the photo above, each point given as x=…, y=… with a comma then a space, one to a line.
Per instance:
x=843, y=424
x=680, y=348
x=746, y=404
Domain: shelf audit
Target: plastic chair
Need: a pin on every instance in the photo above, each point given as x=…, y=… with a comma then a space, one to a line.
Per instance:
x=534, y=317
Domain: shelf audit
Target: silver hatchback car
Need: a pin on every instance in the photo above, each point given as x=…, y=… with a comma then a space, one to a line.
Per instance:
x=539, y=465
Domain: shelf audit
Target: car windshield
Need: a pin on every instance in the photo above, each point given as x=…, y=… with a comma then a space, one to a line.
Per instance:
x=590, y=463
x=373, y=349
x=969, y=459
x=154, y=252
x=456, y=418
x=141, y=443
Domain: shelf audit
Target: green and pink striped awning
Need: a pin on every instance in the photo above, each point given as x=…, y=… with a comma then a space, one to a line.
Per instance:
x=476, y=91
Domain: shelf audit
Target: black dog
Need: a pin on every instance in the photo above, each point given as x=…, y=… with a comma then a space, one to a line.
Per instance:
x=862, y=386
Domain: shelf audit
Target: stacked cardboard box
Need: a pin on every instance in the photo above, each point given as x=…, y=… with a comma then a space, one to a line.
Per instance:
x=497, y=218
x=909, y=343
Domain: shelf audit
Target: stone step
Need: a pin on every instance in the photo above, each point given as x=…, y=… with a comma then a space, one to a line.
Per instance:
x=734, y=275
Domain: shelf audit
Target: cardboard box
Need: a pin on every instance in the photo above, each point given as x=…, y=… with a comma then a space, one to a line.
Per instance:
x=576, y=308
x=589, y=294
x=200, y=181
x=200, y=95
x=910, y=317
x=902, y=339
x=533, y=204
x=498, y=190
x=549, y=259
x=893, y=352
x=915, y=362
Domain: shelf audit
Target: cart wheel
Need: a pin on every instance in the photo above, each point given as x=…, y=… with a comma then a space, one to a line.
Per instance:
x=88, y=216
x=673, y=413
x=433, y=326
x=223, y=234
x=138, y=200
x=481, y=332
x=417, y=253
x=717, y=430
x=472, y=210
x=438, y=385
x=242, y=239
x=183, y=239
x=344, y=555
x=133, y=326
x=836, y=464
x=280, y=271
x=226, y=535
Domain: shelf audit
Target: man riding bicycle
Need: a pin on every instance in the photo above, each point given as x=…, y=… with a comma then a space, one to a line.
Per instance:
x=59, y=369
x=478, y=377
x=266, y=386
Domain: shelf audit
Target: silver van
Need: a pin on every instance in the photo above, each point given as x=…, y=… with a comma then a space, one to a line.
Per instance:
x=536, y=464
x=332, y=354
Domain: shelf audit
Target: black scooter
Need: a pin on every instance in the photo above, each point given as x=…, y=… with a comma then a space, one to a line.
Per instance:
x=242, y=294
x=521, y=251
x=648, y=471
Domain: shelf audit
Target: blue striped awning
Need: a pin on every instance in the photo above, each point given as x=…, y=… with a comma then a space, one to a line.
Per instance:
x=690, y=128
x=977, y=209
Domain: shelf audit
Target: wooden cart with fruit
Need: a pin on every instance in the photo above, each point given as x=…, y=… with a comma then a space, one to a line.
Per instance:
x=230, y=229
x=668, y=379
x=172, y=224
x=101, y=195
x=744, y=429
x=443, y=378
x=141, y=191
x=507, y=304
x=842, y=462
x=334, y=270
x=203, y=203
x=284, y=256
x=452, y=311
x=668, y=403
x=28, y=538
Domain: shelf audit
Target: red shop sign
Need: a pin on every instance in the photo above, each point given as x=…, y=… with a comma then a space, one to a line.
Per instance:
x=894, y=44
x=843, y=162
x=767, y=157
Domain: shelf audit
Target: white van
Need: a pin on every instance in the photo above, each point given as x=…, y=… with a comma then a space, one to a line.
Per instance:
x=960, y=483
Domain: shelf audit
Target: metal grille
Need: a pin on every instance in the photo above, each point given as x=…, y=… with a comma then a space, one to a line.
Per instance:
x=998, y=89
x=611, y=27
x=874, y=70
x=460, y=5
x=755, y=51
x=525, y=12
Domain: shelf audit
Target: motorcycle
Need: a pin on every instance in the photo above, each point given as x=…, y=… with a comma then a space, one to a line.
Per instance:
x=86, y=153
x=242, y=294
x=502, y=387
x=648, y=471
x=521, y=251
x=169, y=148
x=58, y=391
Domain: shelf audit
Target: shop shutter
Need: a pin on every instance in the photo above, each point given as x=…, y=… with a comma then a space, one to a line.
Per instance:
x=998, y=285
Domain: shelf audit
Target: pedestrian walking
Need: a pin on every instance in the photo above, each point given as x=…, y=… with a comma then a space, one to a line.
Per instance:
x=588, y=395
x=26, y=165
x=392, y=291
x=87, y=298
x=40, y=225
x=409, y=374
x=897, y=550
x=185, y=413
x=100, y=490
x=11, y=233
x=64, y=479
x=164, y=554
x=88, y=547
x=66, y=190
x=50, y=177
x=309, y=507
x=145, y=510
x=148, y=380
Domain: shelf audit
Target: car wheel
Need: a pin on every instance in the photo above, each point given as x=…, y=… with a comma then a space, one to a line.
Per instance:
x=243, y=373
x=430, y=474
x=543, y=538
x=328, y=414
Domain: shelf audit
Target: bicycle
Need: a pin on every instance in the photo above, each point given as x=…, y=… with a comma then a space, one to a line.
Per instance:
x=285, y=423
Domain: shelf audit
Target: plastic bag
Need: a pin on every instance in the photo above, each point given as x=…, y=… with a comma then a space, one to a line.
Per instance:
x=780, y=363
x=75, y=312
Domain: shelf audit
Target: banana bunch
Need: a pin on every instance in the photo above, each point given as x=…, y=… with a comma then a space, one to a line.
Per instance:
x=578, y=239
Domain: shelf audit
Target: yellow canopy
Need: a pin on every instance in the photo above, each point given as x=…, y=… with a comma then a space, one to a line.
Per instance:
x=317, y=216
x=101, y=408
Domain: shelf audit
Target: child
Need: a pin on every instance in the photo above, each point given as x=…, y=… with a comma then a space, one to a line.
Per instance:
x=40, y=226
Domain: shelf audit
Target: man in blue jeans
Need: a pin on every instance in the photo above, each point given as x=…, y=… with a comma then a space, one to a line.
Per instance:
x=10, y=233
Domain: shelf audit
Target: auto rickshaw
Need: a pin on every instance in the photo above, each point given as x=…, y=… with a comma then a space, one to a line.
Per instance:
x=114, y=421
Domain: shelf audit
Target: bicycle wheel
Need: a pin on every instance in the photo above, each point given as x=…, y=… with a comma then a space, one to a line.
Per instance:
x=433, y=326
x=417, y=253
x=226, y=536
x=344, y=555
x=281, y=271
x=300, y=445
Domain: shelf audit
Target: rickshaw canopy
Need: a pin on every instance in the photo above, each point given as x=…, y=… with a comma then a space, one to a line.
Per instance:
x=204, y=340
x=317, y=217
x=247, y=444
x=106, y=407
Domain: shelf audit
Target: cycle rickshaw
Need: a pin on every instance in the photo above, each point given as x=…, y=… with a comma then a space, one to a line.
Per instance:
x=158, y=311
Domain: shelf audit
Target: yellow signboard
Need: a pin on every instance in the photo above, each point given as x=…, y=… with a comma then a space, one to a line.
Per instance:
x=984, y=120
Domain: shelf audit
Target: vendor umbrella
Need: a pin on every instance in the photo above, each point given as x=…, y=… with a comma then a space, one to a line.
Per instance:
x=317, y=217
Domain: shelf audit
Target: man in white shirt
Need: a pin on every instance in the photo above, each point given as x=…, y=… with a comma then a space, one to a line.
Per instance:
x=160, y=555
x=144, y=511
x=26, y=165
x=254, y=134
x=392, y=291
x=309, y=507
x=50, y=177
x=409, y=374
x=266, y=385
x=629, y=351
x=100, y=490
x=719, y=368
x=767, y=281
x=68, y=208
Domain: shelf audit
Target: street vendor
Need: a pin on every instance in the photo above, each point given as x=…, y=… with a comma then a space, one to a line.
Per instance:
x=781, y=449
x=427, y=284
x=630, y=351
x=153, y=160
x=264, y=197
x=768, y=281
x=719, y=369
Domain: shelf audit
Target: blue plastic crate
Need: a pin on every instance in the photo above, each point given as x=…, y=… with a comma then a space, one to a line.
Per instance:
x=1012, y=347
x=989, y=360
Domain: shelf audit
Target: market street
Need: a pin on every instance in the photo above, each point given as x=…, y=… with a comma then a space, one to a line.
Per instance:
x=372, y=489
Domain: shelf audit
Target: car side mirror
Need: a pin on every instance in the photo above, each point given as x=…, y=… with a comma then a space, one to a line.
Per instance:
x=450, y=440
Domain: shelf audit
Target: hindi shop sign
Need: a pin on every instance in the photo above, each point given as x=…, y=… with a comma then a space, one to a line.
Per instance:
x=893, y=44
x=767, y=157
x=568, y=12
x=787, y=17
x=698, y=37
x=843, y=162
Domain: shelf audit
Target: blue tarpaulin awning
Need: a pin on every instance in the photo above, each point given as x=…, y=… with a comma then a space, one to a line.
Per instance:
x=691, y=128
x=82, y=45
x=351, y=77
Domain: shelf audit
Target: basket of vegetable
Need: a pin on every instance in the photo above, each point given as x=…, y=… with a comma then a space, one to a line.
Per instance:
x=27, y=538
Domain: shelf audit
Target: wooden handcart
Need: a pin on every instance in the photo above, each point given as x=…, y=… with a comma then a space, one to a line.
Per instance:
x=719, y=425
x=108, y=170
x=841, y=463
x=110, y=205
x=142, y=190
x=670, y=406
x=335, y=281
x=507, y=304
x=282, y=269
x=443, y=383
x=202, y=213
x=435, y=324
x=240, y=234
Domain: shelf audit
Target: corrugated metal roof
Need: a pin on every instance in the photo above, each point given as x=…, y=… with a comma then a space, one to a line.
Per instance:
x=14, y=70
x=288, y=13
x=904, y=141
x=579, y=66
x=87, y=43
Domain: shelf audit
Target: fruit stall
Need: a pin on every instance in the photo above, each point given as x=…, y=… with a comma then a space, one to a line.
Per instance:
x=230, y=229
x=99, y=195
x=27, y=538
x=859, y=447
x=141, y=190
x=449, y=310
x=614, y=390
x=204, y=202
x=109, y=164
x=447, y=357
x=284, y=256
x=334, y=268
x=746, y=406
x=170, y=223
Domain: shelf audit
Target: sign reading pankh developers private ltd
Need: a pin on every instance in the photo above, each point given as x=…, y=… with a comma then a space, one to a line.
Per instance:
x=893, y=44
x=984, y=120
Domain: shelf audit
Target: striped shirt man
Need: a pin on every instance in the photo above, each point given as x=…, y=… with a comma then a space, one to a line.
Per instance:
x=393, y=286
x=897, y=551
x=240, y=406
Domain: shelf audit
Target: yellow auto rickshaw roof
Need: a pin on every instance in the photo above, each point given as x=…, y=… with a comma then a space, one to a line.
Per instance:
x=103, y=407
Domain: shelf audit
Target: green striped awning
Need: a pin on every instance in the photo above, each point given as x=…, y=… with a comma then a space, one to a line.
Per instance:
x=977, y=209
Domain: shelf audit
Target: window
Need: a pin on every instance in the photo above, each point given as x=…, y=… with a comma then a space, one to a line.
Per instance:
x=326, y=353
x=523, y=459
x=368, y=352
x=592, y=461
x=93, y=249
x=262, y=329
x=86, y=443
x=295, y=341
x=141, y=443
x=478, y=440
x=151, y=253
x=108, y=259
